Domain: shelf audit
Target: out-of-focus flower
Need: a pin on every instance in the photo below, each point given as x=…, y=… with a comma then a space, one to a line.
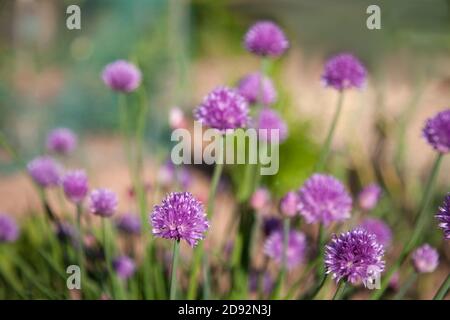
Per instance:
x=122, y=76
x=437, y=131
x=254, y=282
x=324, y=199
x=180, y=217
x=425, y=259
x=169, y=174
x=103, y=202
x=265, y=38
x=124, y=267
x=9, y=231
x=271, y=121
x=129, y=223
x=256, y=91
x=67, y=233
x=443, y=217
x=353, y=256
x=344, y=71
x=177, y=120
x=62, y=141
x=260, y=199
x=368, y=197
x=380, y=229
x=271, y=224
x=222, y=109
x=289, y=204
x=75, y=185
x=45, y=171
x=296, y=250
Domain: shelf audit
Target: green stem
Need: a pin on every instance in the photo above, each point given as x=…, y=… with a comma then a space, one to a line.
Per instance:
x=173, y=277
x=406, y=286
x=443, y=290
x=421, y=223
x=282, y=274
x=340, y=290
x=326, y=146
x=317, y=288
x=80, y=250
x=108, y=261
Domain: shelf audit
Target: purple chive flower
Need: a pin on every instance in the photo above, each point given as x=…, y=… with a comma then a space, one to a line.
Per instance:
x=260, y=199
x=45, y=171
x=62, y=141
x=223, y=109
x=425, y=259
x=271, y=121
x=380, y=229
x=354, y=256
x=122, y=76
x=103, y=202
x=437, y=131
x=180, y=217
x=368, y=198
x=9, y=231
x=324, y=199
x=251, y=88
x=75, y=185
x=265, y=38
x=444, y=217
x=344, y=71
x=271, y=224
x=129, y=223
x=289, y=204
x=296, y=251
x=124, y=267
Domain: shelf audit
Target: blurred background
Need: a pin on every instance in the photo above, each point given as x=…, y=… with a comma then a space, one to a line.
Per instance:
x=50, y=77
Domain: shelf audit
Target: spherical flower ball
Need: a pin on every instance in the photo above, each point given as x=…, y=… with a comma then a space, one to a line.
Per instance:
x=129, y=223
x=75, y=185
x=124, y=266
x=103, y=202
x=61, y=141
x=368, y=197
x=425, y=259
x=296, y=249
x=180, y=217
x=260, y=199
x=353, y=256
x=45, y=171
x=344, y=71
x=437, y=131
x=122, y=76
x=265, y=38
x=271, y=126
x=443, y=217
x=223, y=109
x=289, y=204
x=324, y=199
x=380, y=229
x=257, y=89
x=9, y=231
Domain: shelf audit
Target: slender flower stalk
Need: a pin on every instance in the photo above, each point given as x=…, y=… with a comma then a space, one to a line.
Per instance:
x=338, y=295
x=443, y=290
x=406, y=286
x=173, y=277
x=421, y=222
x=325, y=151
